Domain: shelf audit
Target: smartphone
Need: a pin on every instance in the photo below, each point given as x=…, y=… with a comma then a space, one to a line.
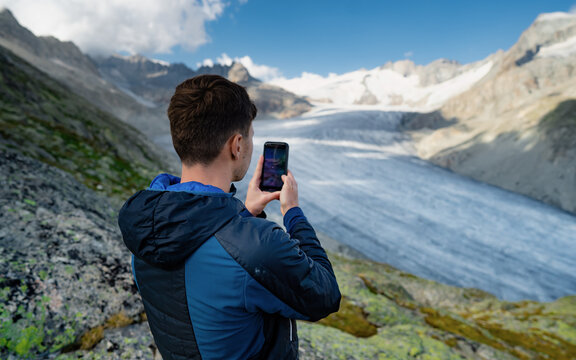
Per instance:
x=275, y=165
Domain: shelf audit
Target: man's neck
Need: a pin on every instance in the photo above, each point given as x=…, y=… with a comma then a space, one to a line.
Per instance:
x=214, y=174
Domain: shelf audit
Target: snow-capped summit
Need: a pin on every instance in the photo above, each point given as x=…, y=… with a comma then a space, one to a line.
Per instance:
x=555, y=16
x=398, y=85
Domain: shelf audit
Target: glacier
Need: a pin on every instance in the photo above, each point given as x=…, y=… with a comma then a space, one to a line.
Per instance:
x=361, y=183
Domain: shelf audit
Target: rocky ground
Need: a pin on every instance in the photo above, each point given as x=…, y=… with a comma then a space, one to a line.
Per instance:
x=65, y=270
x=67, y=292
x=515, y=128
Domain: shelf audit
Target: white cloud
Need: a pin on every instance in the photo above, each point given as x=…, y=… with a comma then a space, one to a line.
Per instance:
x=408, y=54
x=573, y=9
x=133, y=26
x=206, y=62
x=224, y=59
x=263, y=72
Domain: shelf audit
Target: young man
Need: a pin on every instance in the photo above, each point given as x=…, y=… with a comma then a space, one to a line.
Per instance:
x=217, y=280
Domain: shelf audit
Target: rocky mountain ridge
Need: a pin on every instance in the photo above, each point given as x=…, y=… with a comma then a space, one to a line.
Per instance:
x=507, y=120
x=155, y=81
x=515, y=127
x=66, y=167
x=65, y=62
x=136, y=90
x=46, y=47
x=396, y=86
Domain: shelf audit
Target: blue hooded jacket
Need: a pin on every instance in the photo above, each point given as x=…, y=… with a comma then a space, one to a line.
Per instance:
x=218, y=283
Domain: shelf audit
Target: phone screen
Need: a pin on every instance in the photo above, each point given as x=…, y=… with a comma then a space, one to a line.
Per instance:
x=275, y=165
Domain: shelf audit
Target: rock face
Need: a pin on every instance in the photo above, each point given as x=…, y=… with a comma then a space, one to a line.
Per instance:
x=66, y=166
x=386, y=313
x=64, y=62
x=65, y=269
x=154, y=82
x=44, y=120
x=514, y=128
x=46, y=47
x=135, y=89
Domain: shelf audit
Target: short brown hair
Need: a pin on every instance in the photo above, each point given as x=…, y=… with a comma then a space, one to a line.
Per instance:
x=204, y=112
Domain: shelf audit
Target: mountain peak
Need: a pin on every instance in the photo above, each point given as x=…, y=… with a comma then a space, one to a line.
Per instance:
x=547, y=30
x=10, y=27
x=405, y=67
x=5, y=13
x=133, y=59
x=547, y=17
x=238, y=73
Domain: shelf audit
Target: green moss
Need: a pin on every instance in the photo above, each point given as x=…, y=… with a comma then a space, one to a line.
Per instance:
x=30, y=338
x=118, y=320
x=566, y=331
x=563, y=306
x=30, y=202
x=351, y=319
x=69, y=270
x=391, y=290
x=399, y=342
x=45, y=121
x=545, y=345
x=530, y=343
x=91, y=337
x=451, y=324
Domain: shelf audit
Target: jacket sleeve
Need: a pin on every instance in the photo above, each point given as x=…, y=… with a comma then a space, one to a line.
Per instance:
x=294, y=268
x=319, y=284
x=258, y=298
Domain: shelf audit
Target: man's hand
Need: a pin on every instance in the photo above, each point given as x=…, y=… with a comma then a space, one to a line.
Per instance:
x=289, y=193
x=256, y=199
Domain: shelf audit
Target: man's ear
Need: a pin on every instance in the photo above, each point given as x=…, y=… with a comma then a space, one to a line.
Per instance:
x=235, y=145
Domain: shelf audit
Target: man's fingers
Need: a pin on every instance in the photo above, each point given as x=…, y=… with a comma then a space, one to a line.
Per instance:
x=258, y=171
x=272, y=196
x=289, y=179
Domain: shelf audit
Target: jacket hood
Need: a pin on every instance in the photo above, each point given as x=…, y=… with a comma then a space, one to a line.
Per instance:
x=164, y=227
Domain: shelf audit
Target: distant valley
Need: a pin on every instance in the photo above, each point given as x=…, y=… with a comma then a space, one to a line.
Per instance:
x=75, y=143
x=508, y=120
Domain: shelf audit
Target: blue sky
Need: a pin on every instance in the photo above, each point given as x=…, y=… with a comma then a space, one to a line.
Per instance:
x=288, y=37
x=340, y=36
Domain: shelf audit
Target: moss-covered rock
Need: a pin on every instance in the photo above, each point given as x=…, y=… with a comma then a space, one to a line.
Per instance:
x=44, y=120
x=421, y=319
